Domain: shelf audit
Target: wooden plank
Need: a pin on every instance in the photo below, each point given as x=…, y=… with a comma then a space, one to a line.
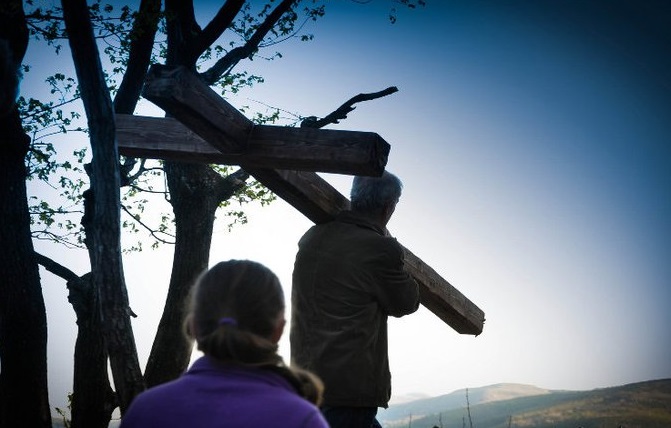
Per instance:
x=344, y=152
x=162, y=138
x=460, y=313
x=306, y=191
x=183, y=95
x=310, y=149
x=196, y=105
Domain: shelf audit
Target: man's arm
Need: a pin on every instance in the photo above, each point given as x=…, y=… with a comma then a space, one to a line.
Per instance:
x=397, y=292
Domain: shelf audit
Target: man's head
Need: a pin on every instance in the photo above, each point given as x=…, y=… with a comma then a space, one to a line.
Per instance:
x=376, y=197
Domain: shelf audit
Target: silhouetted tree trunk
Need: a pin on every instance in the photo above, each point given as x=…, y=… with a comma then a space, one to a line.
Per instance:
x=24, y=398
x=195, y=190
x=190, y=186
x=93, y=399
x=103, y=232
x=91, y=382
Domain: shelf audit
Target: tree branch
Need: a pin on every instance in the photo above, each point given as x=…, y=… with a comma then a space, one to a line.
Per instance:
x=225, y=64
x=142, y=42
x=216, y=27
x=55, y=268
x=151, y=231
x=341, y=112
x=232, y=184
x=127, y=166
x=182, y=29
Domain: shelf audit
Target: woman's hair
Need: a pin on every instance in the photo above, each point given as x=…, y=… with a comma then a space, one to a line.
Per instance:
x=233, y=312
x=373, y=194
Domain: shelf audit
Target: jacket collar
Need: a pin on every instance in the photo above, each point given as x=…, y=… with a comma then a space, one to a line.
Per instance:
x=209, y=366
x=352, y=217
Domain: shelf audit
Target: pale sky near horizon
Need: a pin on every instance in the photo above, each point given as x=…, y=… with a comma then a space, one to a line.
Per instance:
x=533, y=140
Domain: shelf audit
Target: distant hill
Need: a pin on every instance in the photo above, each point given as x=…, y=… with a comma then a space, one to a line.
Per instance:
x=644, y=404
x=457, y=400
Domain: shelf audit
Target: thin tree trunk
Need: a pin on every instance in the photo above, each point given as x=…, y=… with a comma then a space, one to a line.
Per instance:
x=194, y=203
x=91, y=381
x=93, y=399
x=106, y=263
x=24, y=398
x=195, y=190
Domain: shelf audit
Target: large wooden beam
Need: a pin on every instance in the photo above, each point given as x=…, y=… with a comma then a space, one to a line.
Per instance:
x=183, y=95
x=344, y=152
x=238, y=140
x=305, y=190
x=443, y=299
x=321, y=202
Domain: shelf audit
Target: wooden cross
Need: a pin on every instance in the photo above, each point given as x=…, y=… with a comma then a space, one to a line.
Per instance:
x=216, y=132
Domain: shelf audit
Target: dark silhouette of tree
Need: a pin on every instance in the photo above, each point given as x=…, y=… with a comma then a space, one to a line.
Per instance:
x=103, y=223
x=24, y=399
x=99, y=298
x=197, y=190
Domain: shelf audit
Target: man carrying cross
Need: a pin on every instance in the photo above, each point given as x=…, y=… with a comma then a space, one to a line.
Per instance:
x=348, y=278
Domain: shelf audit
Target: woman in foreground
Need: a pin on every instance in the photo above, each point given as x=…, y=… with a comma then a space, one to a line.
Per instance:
x=236, y=317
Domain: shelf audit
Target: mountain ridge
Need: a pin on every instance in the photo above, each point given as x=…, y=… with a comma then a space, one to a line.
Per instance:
x=641, y=404
x=457, y=399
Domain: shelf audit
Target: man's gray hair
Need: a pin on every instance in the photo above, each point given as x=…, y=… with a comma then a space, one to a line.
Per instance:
x=372, y=194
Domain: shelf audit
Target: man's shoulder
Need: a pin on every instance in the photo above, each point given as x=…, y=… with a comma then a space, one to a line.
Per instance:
x=351, y=239
x=346, y=230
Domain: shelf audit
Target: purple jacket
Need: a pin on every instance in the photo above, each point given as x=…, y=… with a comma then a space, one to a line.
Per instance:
x=212, y=395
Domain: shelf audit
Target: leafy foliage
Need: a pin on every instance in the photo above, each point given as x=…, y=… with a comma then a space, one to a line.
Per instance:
x=47, y=122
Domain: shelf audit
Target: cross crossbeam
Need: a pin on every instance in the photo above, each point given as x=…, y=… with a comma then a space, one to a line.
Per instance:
x=305, y=190
x=233, y=139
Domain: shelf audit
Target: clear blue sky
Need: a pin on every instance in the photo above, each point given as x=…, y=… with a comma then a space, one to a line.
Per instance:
x=533, y=141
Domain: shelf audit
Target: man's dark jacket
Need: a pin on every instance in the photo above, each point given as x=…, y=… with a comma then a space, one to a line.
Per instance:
x=348, y=277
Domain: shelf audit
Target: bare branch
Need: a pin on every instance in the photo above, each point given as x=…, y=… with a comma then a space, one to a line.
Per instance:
x=55, y=267
x=151, y=231
x=341, y=112
x=142, y=42
x=45, y=235
x=127, y=166
x=142, y=189
x=216, y=27
x=236, y=55
x=232, y=184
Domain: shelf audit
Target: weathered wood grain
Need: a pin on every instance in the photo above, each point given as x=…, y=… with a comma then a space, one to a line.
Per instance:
x=306, y=191
x=460, y=313
x=343, y=152
x=183, y=95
